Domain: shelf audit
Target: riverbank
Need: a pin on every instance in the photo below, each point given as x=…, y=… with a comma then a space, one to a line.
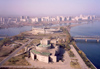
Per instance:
x=90, y=48
x=83, y=56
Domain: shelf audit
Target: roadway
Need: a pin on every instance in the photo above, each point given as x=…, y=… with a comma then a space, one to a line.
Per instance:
x=80, y=61
x=12, y=54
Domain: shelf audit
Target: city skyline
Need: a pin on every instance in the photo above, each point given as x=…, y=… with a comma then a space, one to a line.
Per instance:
x=49, y=7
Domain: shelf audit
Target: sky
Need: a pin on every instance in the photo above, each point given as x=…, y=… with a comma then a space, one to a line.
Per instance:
x=49, y=7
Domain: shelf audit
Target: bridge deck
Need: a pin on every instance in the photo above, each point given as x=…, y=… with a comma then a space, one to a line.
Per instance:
x=88, y=37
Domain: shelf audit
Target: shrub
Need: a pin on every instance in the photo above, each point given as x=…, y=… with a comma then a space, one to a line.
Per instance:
x=73, y=63
x=5, y=41
x=80, y=52
x=19, y=37
x=71, y=54
x=67, y=47
x=5, y=54
x=62, y=45
x=13, y=60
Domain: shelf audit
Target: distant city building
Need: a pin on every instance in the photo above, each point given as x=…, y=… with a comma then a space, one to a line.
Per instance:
x=23, y=20
x=34, y=19
x=58, y=18
x=78, y=18
x=45, y=19
x=24, y=17
x=39, y=19
x=65, y=19
x=69, y=18
x=73, y=19
x=62, y=18
x=0, y=19
x=8, y=20
x=52, y=19
x=89, y=17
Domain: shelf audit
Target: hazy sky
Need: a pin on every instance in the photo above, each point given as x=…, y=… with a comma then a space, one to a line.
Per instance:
x=49, y=7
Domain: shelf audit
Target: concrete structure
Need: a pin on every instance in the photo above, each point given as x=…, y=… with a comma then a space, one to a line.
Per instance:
x=97, y=38
x=45, y=30
x=45, y=52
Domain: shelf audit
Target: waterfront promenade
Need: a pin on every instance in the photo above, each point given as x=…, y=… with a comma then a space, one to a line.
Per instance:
x=80, y=61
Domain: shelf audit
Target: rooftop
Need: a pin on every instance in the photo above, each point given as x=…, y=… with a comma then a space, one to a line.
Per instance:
x=41, y=53
x=44, y=45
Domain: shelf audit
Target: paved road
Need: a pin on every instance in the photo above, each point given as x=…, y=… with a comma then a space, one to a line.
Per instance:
x=12, y=54
x=81, y=62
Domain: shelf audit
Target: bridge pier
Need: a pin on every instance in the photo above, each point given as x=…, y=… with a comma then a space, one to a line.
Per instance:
x=97, y=40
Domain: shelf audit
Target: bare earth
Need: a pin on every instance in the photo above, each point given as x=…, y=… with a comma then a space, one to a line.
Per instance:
x=80, y=61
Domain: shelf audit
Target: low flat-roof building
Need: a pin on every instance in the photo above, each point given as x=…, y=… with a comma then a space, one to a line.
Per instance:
x=45, y=30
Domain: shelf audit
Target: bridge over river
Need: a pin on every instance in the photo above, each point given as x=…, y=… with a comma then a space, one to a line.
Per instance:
x=97, y=38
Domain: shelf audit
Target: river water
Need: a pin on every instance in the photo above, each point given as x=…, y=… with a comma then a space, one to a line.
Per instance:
x=90, y=48
x=14, y=31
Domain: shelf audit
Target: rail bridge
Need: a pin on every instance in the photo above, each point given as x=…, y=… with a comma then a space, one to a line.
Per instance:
x=97, y=38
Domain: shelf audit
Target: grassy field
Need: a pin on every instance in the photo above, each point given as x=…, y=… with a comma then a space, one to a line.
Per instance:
x=22, y=41
x=17, y=61
x=5, y=50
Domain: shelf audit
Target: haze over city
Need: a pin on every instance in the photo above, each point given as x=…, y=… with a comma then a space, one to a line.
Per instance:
x=49, y=7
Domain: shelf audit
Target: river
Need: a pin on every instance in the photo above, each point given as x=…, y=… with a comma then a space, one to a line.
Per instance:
x=14, y=31
x=90, y=48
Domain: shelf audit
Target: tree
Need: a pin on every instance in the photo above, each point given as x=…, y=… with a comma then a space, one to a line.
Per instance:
x=5, y=41
x=13, y=60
